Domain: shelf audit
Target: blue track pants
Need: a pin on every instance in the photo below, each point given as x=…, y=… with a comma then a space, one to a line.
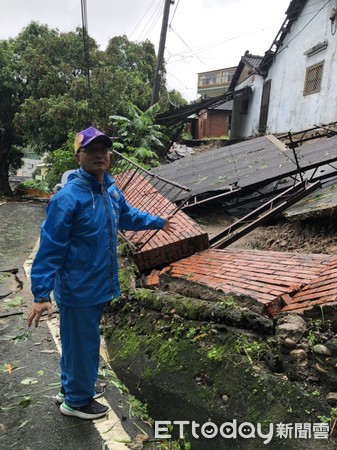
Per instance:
x=80, y=339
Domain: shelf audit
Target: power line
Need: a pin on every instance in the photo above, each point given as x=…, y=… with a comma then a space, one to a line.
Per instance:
x=296, y=35
x=152, y=20
x=173, y=76
x=182, y=40
x=174, y=13
x=212, y=44
x=141, y=19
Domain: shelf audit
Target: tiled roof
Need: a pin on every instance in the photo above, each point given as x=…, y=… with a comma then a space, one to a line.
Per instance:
x=252, y=61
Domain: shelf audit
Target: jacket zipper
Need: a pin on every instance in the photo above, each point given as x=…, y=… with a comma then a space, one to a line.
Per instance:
x=110, y=233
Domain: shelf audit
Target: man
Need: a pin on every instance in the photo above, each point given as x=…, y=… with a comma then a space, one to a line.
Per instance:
x=77, y=260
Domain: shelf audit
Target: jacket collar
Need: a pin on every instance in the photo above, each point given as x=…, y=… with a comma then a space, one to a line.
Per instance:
x=94, y=183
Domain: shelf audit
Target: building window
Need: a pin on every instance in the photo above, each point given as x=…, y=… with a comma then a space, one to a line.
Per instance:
x=209, y=79
x=313, y=78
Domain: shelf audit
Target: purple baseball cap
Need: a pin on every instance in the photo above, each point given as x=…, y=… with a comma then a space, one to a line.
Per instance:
x=85, y=137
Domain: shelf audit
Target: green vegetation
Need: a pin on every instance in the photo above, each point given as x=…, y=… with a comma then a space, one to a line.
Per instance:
x=181, y=444
x=201, y=363
x=15, y=302
x=4, y=276
x=254, y=349
x=315, y=328
x=138, y=134
x=45, y=92
x=41, y=186
x=126, y=277
x=331, y=419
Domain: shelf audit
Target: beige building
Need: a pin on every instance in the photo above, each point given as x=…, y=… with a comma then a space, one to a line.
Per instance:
x=215, y=82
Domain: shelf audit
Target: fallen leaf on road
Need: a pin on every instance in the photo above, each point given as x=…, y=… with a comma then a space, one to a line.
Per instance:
x=29, y=381
x=23, y=424
x=137, y=443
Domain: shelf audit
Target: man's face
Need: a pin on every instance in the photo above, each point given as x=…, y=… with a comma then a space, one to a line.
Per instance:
x=94, y=159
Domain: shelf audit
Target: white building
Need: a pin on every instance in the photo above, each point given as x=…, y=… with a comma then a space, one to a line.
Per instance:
x=294, y=87
x=30, y=164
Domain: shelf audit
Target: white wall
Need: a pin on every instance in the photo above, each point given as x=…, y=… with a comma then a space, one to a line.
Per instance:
x=248, y=124
x=288, y=108
x=28, y=167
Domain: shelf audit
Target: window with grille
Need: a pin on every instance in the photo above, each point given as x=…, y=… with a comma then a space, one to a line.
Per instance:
x=313, y=78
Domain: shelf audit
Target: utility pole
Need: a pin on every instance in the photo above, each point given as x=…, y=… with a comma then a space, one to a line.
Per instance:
x=85, y=43
x=160, y=56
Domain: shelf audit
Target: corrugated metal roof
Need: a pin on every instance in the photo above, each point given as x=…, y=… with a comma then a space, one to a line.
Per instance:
x=250, y=165
x=228, y=106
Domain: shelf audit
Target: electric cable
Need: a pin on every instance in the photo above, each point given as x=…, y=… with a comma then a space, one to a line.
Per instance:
x=303, y=28
x=155, y=22
x=182, y=40
x=277, y=51
x=152, y=20
x=173, y=76
x=174, y=13
x=205, y=47
x=212, y=44
x=141, y=19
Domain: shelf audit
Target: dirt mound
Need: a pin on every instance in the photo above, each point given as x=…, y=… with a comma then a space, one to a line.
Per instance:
x=317, y=236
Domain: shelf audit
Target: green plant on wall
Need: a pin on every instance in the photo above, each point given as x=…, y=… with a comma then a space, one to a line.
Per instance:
x=255, y=350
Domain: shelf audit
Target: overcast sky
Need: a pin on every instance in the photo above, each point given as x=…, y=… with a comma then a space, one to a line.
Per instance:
x=203, y=34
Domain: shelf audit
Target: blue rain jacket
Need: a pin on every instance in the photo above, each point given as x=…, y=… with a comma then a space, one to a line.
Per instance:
x=77, y=254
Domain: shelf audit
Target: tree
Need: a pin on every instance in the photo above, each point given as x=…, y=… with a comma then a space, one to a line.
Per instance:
x=36, y=73
x=44, y=90
x=61, y=160
x=172, y=98
x=54, y=76
x=10, y=94
x=138, y=135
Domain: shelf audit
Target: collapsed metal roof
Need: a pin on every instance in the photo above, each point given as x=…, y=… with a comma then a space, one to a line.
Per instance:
x=263, y=164
x=181, y=114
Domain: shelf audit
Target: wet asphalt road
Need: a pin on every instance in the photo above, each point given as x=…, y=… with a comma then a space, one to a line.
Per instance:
x=29, y=360
x=19, y=229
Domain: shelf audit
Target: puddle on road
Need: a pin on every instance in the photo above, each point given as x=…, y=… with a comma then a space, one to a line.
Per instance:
x=19, y=230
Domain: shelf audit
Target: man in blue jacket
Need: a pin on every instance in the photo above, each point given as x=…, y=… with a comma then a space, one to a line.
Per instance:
x=77, y=260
